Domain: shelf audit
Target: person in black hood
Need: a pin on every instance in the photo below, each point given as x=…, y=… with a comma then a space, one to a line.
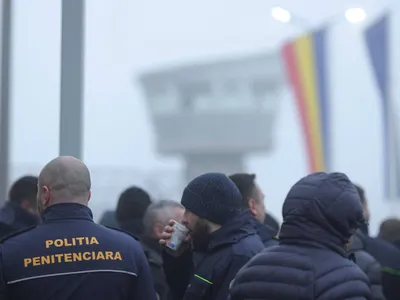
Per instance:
x=20, y=212
x=320, y=214
x=253, y=199
x=131, y=207
x=223, y=240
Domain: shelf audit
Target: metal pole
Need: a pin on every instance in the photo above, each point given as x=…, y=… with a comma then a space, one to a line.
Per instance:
x=72, y=77
x=6, y=35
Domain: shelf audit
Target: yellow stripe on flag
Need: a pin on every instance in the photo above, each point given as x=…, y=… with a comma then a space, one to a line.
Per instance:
x=305, y=59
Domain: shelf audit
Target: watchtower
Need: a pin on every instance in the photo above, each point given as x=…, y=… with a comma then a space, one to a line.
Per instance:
x=215, y=113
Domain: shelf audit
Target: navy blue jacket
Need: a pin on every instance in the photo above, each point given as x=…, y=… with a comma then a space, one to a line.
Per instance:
x=14, y=218
x=368, y=264
x=207, y=273
x=267, y=234
x=388, y=256
x=108, y=219
x=271, y=222
x=68, y=256
x=320, y=214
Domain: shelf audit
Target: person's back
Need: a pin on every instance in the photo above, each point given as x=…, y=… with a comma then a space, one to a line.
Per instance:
x=68, y=256
x=320, y=214
x=71, y=257
x=108, y=219
x=369, y=265
x=386, y=253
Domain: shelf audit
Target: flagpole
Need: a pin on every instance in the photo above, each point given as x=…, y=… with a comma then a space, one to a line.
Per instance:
x=392, y=121
x=393, y=96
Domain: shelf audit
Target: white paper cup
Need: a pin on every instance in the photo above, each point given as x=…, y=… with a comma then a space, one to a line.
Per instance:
x=180, y=232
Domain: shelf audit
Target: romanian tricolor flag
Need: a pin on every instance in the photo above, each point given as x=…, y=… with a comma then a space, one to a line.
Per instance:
x=377, y=42
x=305, y=62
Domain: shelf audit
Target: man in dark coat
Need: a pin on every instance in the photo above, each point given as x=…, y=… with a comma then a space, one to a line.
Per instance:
x=368, y=264
x=68, y=256
x=390, y=231
x=320, y=214
x=132, y=205
x=108, y=219
x=20, y=212
x=253, y=199
x=223, y=236
x=387, y=254
x=155, y=219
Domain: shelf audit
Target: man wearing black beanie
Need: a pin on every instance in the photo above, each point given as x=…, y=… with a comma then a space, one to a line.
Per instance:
x=222, y=238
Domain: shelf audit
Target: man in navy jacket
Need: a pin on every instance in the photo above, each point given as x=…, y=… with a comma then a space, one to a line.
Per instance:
x=68, y=256
x=253, y=199
x=224, y=239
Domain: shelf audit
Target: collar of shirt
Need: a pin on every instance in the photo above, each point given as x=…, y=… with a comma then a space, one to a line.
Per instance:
x=64, y=211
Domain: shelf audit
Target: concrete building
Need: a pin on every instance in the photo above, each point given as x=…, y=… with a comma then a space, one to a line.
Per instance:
x=215, y=113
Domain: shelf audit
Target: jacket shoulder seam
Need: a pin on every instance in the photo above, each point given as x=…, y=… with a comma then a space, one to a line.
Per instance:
x=14, y=234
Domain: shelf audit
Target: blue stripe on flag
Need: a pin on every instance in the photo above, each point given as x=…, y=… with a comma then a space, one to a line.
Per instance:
x=376, y=37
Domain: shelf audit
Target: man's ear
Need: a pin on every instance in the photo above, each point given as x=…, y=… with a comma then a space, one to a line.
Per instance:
x=158, y=229
x=252, y=206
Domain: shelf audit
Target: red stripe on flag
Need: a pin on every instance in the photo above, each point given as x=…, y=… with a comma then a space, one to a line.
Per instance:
x=290, y=61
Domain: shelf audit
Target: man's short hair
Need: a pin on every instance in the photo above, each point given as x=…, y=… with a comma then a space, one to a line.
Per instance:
x=160, y=211
x=361, y=193
x=246, y=183
x=132, y=204
x=390, y=230
x=24, y=189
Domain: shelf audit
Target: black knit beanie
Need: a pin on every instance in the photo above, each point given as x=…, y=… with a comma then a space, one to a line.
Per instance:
x=214, y=197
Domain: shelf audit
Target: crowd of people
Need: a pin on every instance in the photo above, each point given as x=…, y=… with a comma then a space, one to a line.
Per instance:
x=52, y=249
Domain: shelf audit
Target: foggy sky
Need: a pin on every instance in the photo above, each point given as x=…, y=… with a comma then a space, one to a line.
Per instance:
x=124, y=37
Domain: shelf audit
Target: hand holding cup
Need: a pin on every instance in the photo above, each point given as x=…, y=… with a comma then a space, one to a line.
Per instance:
x=175, y=238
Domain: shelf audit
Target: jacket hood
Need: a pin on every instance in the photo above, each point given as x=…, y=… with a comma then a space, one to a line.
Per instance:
x=322, y=209
x=357, y=241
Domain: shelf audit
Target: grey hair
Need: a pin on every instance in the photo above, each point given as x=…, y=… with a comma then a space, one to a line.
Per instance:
x=159, y=212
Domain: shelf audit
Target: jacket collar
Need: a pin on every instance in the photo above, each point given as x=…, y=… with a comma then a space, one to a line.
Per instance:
x=133, y=226
x=397, y=244
x=150, y=243
x=364, y=228
x=13, y=214
x=302, y=232
x=357, y=241
x=233, y=231
x=152, y=250
x=67, y=211
x=265, y=232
